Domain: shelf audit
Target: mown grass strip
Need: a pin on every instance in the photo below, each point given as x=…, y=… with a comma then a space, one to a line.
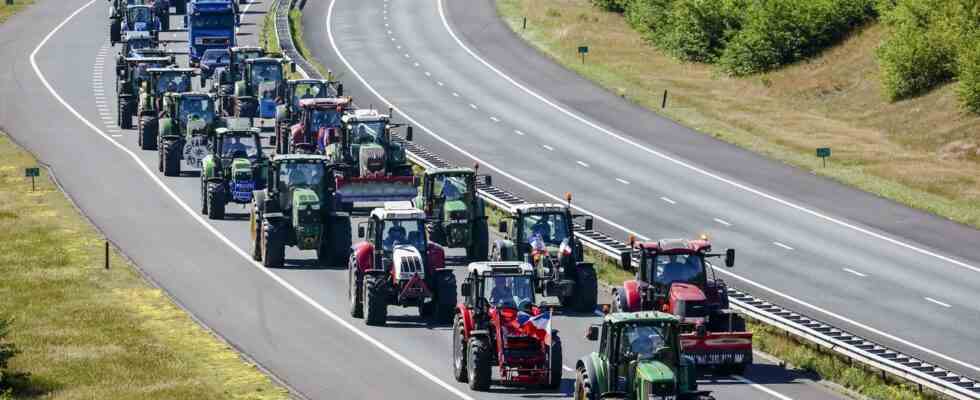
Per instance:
x=88, y=332
x=6, y=11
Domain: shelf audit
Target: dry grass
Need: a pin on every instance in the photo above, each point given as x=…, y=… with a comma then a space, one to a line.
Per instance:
x=7, y=11
x=91, y=333
x=921, y=152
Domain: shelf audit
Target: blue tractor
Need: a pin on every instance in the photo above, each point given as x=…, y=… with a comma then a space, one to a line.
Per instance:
x=210, y=25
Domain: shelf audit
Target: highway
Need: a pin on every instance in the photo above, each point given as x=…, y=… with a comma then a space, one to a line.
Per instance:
x=481, y=95
x=292, y=321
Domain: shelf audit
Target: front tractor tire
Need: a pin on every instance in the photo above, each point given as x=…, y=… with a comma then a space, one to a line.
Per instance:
x=170, y=158
x=586, y=288
x=459, y=350
x=444, y=301
x=255, y=226
x=335, y=247
x=355, y=290
x=478, y=363
x=216, y=200
x=273, y=244
x=148, y=132
x=556, y=363
x=124, y=114
x=583, y=386
x=479, y=249
x=375, y=301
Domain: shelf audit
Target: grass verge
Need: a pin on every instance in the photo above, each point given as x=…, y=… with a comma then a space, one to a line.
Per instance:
x=922, y=152
x=8, y=10
x=296, y=30
x=88, y=332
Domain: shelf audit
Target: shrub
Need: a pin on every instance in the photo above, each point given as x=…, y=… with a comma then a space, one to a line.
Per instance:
x=649, y=17
x=912, y=62
x=7, y=352
x=700, y=29
x=969, y=75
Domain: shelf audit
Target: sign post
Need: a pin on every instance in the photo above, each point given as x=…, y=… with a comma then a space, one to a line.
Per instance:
x=823, y=153
x=583, y=50
x=32, y=173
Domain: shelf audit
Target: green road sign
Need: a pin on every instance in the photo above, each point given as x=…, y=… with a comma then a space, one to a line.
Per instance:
x=29, y=172
x=823, y=152
x=583, y=49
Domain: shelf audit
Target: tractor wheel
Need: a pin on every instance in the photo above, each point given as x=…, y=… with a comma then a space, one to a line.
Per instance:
x=478, y=363
x=479, y=250
x=204, y=196
x=115, y=30
x=583, y=386
x=375, y=302
x=171, y=158
x=124, y=117
x=459, y=349
x=436, y=232
x=444, y=301
x=738, y=323
x=273, y=245
x=216, y=201
x=355, y=293
x=556, y=363
x=586, y=288
x=255, y=223
x=338, y=249
x=148, y=133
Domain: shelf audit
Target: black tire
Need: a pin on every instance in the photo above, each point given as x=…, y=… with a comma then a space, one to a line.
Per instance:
x=273, y=245
x=436, y=232
x=148, y=132
x=216, y=201
x=479, y=250
x=355, y=293
x=335, y=247
x=124, y=118
x=738, y=323
x=583, y=386
x=459, y=350
x=204, y=197
x=375, y=302
x=478, y=363
x=256, y=226
x=444, y=301
x=586, y=288
x=115, y=30
x=171, y=158
x=556, y=363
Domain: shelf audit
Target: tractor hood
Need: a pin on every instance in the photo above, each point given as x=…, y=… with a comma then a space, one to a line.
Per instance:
x=304, y=198
x=408, y=262
x=372, y=159
x=686, y=292
x=456, y=210
x=654, y=372
x=241, y=169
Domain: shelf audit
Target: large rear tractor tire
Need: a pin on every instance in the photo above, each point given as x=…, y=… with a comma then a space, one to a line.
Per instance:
x=444, y=301
x=172, y=157
x=273, y=245
x=165, y=21
x=375, y=302
x=586, y=288
x=115, y=30
x=556, y=363
x=255, y=225
x=478, y=363
x=335, y=248
x=355, y=291
x=148, y=132
x=124, y=117
x=479, y=250
x=459, y=350
x=204, y=196
x=216, y=201
x=583, y=386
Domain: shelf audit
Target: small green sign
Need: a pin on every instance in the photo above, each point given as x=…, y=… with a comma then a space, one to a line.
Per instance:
x=823, y=152
x=29, y=172
x=583, y=49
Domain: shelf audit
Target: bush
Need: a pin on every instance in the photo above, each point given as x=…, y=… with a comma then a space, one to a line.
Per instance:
x=912, y=62
x=7, y=352
x=649, y=17
x=969, y=75
x=700, y=29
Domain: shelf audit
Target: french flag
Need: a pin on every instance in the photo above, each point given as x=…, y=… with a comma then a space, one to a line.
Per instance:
x=538, y=326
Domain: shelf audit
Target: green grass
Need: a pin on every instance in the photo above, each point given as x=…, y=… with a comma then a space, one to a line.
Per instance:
x=7, y=11
x=86, y=332
x=296, y=29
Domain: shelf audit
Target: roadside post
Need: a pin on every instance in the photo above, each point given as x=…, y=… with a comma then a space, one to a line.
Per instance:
x=583, y=50
x=823, y=153
x=31, y=172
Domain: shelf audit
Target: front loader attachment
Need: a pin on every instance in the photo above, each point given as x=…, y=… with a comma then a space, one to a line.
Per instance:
x=719, y=349
x=375, y=189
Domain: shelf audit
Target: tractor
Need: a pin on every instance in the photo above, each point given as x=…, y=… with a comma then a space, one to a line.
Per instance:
x=674, y=277
x=232, y=73
x=297, y=208
x=160, y=82
x=397, y=265
x=212, y=60
x=185, y=129
x=499, y=325
x=288, y=113
x=137, y=18
x=456, y=216
x=210, y=25
x=542, y=234
x=639, y=357
x=136, y=43
x=261, y=89
x=130, y=75
x=318, y=122
x=233, y=171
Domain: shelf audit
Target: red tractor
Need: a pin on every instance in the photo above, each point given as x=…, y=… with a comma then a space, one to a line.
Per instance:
x=674, y=277
x=397, y=265
x=319, y=125
x=499, y=325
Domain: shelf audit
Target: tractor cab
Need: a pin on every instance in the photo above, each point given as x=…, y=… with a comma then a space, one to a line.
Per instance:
x=301, y=185
x=262, y=89
x=456, y=213
x=131, y=72
x=169, y=80
x=318, y=125
x=136, y=42
x=193, y=112
x=300, y=89
x=639, y=357
x=500, y=285
x=367, y=144
x=394, y=227
x=140, y=18
x=237, y=57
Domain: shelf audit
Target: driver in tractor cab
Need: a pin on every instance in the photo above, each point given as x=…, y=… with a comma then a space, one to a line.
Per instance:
x=450, y=191
x=396, y=235
x=679, y=270
x=542, y=228
x=298, y=178
x=501, y=293
x=237, y=149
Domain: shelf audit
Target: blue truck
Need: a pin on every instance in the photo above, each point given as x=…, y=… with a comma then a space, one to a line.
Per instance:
x=210, y=25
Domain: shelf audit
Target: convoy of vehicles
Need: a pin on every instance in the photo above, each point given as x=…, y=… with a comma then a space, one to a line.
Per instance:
x=234, y=169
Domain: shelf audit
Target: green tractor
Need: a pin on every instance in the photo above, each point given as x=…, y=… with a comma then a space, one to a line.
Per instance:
x=455, y=214
x=227, y=76
x=289, y=112
x=261, y=89
x=130, y=75
x=639, y=357
x=234, y=170
x=185, y=130
x=298, y=208
x=161, y=81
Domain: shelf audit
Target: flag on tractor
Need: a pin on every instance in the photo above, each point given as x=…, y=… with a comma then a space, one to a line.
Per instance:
x=538, y=326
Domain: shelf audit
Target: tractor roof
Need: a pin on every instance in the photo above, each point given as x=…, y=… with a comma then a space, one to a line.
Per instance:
x=324, y=102
x=450, y=171
x=239, y=49
x=366, y=115
x=395, y=210
x=172, y=69
x=652, y=316
x=535, y=208
x=300, y=157
x=264, y=60
x=190, y=94
x=676, y=246
x=302, y=81
x=500, y=267
x=237, y=131
x=142, y=59
x=137, y=35
x=132, y=6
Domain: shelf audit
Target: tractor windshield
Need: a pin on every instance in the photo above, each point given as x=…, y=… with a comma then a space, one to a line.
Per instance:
x=308, y=175
x=307, y=91
x=215, y=58
x=328, y=118
x=514, y=291
x=239, y=147
x=173, y=82
x=368, y=132
x=550, y=228
x=139, y=15
x=669, y=268
x=138, y=44
x=213, y=21
x=266, y=72
x=450, y=187
x=642, y=341
x=404, y=232
x=196, y=108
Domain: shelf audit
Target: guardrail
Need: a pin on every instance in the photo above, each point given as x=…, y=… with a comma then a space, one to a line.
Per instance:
x=852, y=346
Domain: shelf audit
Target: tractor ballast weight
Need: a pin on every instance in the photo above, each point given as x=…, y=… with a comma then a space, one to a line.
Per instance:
x=130, y=75
x=261, y=89
x=297, y=208
x=185, y=130
x=490, y=330
x=456, y=215
x=396, y=265
x=674, y=277
x=288, y=113
x=543, y=235
x=318, y=124
x=160, y=82
x=639, y=358
x=234, y=170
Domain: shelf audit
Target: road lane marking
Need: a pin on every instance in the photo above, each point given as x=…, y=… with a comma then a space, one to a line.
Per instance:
x=495, y=119
x=623, y=181
x=439, y=83
x=782, y=245
x=723, y=222
x=455, y=94
x=582, y=164
x=667, y=199
x=934, y=301
x=549, y=148
x=427, y=73
x=473, y=106
x=519, y=133
x=853, y=272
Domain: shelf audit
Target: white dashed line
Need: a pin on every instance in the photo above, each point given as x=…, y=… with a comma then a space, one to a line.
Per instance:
x=495, y=119
x=723, y=222
x=782, y=245
x=407, y=56
x=116, y=135
x=427, y=73
x=582, y=164
x=439, y=83
x=668, y=200
x=851, y=271
x=389, y=32
x=934, y=301
x=455, y=94
x=623, y=181
x=518, y=132
x=473, y=106
x=549, y=148
x=399, y=47
x=416, y=65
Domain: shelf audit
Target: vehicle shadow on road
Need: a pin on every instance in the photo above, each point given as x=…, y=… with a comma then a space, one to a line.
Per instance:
x=566, y=388
x=763, y=374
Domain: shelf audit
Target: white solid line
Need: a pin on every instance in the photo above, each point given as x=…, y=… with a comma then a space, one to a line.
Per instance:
x=224, y=239
x=495, y=119
x=851, y=271
x=473, y=106
x=582, y=164
x=518, y=132
x=623, y=181
x=393, y=39
x=455, y=94
x=116, y=135
x=667, y=199
x=723, y=222
x=932, y=300
x=782, y=245
x=549, y=148
x=407, y=55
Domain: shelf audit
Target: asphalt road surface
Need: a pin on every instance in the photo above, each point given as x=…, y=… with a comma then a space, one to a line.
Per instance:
x=480, y=94
x=60, y=104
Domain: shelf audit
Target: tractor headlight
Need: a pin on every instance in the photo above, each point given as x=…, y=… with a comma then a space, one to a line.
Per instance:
x=315, y=206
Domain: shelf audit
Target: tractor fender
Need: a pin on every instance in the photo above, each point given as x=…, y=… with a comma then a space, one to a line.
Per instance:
x=505, y=250
x=436, y=258
x=364, y=256
x=588, y=364
x=467, y=316
x=207, y=167
x=480, y=209
x=631, y=295
x=480, y=333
